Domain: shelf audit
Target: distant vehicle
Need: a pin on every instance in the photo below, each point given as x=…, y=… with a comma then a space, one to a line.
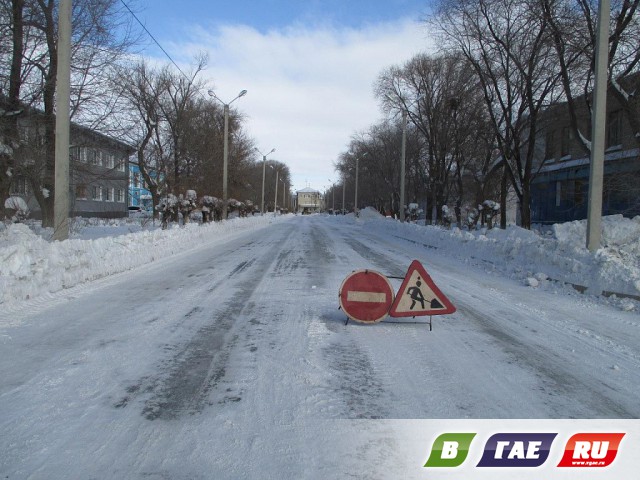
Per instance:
x=136, y=211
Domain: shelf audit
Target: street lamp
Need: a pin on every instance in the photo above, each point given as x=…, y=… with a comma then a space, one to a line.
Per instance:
x=225, y=160
x=333, y=197
x=355, y=202
x=402, y=162
x=598, y=124
x=275, y=198
x=264, y=163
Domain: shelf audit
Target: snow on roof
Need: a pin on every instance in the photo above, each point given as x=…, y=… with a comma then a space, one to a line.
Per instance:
x=307, y=190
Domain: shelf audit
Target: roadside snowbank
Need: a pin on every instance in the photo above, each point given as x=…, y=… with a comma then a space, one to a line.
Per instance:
x=560, y=255
x=31, y=266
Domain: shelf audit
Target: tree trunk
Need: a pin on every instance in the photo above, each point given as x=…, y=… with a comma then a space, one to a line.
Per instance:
x=9, y=128
x=525, y=211
x=503, y=199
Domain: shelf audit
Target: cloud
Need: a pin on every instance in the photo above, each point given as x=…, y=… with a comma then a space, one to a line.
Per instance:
x=310, y=88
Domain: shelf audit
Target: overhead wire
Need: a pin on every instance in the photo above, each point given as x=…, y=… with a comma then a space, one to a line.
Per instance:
x=155, y=41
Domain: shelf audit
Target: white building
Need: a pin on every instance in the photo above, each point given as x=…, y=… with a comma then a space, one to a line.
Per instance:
x=308, y=201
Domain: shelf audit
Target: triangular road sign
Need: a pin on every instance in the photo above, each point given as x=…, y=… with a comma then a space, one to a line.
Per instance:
x=418, y=295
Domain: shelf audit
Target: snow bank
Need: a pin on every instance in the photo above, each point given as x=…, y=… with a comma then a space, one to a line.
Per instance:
x=561, y=255
x=31, y=266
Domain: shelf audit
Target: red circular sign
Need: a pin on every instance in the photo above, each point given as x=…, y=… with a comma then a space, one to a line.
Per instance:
x=366, y=296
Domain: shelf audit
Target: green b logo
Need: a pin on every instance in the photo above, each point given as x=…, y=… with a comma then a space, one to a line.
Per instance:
x=450, y=450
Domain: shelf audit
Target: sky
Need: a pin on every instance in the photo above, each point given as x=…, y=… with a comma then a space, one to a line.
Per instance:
x=309, y=67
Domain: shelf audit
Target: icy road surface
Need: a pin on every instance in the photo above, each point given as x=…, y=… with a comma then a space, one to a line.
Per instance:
x=233, y=361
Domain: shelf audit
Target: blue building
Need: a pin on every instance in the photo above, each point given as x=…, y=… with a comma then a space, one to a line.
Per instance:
x=560, y=190
x=139, y=194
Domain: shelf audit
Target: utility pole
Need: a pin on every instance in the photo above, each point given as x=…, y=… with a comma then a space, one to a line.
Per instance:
x=402, y=162
x=225, y=163
x=598, y=126
x=355, y=204
x=225, y=152
x=264, y=168
x=275, y=198
x=61, y=176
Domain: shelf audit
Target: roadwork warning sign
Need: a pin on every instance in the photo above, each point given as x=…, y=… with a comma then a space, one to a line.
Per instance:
x=418, y=295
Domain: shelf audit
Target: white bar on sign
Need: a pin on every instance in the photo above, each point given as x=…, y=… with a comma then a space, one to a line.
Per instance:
x=369, y=297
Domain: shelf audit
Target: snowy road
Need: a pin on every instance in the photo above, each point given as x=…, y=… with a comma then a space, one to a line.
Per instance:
x=233, y=361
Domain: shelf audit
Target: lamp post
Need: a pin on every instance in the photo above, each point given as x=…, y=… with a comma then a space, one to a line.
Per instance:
x=275, y=199
x=402, y=162
x=61, y=174
x=333, y=198
x=355, y=200
x=598, y=124
x=264, y=166
x=225, y=159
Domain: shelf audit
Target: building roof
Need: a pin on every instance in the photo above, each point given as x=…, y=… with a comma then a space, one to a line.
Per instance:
x=307, y=190
x=28, y=110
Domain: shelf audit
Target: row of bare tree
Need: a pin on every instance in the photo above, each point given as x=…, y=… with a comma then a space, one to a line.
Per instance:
x=175, y=128
x=475, y=108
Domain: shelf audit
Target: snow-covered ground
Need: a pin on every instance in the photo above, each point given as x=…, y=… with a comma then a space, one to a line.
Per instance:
x=218, y=351
x=31, y=266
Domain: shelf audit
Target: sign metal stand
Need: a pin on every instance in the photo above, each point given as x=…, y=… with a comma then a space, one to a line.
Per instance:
x=367, y=299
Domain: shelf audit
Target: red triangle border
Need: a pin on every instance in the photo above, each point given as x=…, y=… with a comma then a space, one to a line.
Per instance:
x=416, y=265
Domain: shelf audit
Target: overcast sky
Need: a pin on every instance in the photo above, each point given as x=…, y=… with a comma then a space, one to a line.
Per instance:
x=309, y=66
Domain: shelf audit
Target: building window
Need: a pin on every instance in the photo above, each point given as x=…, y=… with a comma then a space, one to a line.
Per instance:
x=550, y=144
x=81, y=192
x=109, y=194
x=578, y=192
x=120, y=195
x=94, y=156
x=96, y=193
x=109, y=160
x=75, y=153
x=121, y=165
x=19, y=186
x=614, y=129
x=565, y=144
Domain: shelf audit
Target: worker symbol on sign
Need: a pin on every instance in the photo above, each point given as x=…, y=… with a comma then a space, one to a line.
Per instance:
x=419, y=295
x=416, y=295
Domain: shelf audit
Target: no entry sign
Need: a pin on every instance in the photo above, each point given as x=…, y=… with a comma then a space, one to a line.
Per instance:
x=366, y=296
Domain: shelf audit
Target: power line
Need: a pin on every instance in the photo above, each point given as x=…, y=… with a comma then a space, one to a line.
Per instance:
x=155, y=41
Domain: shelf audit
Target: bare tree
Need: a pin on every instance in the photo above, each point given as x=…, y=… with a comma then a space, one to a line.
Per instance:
x=573, y=25
x=141, y=89
x=11, y=27
x=177, y=106
x=376, y=155
x=440, y=95
x=100, y=37
x=509, y=45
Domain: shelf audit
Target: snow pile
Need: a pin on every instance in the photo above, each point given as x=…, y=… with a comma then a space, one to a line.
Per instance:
x=370, y=214
x=31, y=266
x=536, y=258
